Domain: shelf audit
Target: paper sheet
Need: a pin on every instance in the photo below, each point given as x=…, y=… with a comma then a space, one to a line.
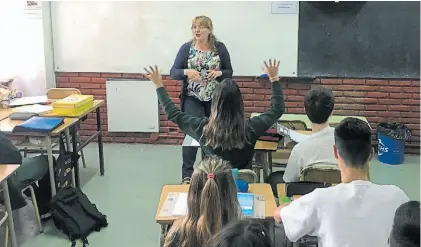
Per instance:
x=34, y=108
x=190, y=142
x=180, y=207
x=291, y=134
x=29, y=100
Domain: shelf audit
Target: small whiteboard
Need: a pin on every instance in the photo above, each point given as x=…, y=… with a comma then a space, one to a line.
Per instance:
x=132, y=106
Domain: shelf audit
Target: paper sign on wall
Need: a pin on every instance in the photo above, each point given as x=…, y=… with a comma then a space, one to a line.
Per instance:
x=285, y=7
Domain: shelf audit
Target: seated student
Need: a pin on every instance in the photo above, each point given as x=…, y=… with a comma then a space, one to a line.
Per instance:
x=353, y=213
x=212, y=203
x=243, y=233
x=31, y=169
x=406, y=226
x=317, y=148
x=226, y=133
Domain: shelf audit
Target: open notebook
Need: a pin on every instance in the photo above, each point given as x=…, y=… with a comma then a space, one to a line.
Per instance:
x=251, y=205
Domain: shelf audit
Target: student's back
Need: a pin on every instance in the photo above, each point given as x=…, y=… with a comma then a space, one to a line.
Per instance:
x=358, y=213
x=353, y=213
x=211, y=204
x=318, y=147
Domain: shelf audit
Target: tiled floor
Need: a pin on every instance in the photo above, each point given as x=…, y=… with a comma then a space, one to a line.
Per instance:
x=129, y=192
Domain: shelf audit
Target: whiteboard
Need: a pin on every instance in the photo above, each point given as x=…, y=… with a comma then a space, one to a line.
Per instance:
x=124, y=37
x=132, y=106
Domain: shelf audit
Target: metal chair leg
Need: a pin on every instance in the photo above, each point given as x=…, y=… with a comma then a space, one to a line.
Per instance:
x=6, y=236
x=34, y=201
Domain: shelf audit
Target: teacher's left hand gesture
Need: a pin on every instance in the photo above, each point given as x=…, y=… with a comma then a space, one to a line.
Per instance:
x=154, y=75
x=213, y=74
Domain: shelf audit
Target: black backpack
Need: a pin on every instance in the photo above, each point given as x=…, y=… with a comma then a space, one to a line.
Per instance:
x=74, y=215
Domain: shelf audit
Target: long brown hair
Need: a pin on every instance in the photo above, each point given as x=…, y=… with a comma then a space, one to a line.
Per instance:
x=226, y=128
x=212, y=203
x=206, y=22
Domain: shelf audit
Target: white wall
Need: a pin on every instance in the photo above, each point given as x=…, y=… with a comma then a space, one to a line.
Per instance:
x=22, y=49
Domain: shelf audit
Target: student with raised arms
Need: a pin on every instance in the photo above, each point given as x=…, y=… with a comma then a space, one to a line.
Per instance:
x=226, y=133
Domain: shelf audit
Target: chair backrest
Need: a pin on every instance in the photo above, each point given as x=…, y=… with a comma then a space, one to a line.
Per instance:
x=61, y=93
x=303, y=188
x=248, y=175
x=321, y=173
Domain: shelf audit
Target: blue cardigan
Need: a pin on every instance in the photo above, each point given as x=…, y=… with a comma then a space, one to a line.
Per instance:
x=180, y=64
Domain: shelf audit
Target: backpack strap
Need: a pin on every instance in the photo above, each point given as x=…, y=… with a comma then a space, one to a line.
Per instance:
x=91, y=209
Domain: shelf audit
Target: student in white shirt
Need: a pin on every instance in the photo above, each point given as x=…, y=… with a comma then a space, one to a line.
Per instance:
x=317, y=148
x=353, y=213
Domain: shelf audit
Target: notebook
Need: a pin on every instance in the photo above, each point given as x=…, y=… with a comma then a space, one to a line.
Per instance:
x=28, y=100
x=39, y=124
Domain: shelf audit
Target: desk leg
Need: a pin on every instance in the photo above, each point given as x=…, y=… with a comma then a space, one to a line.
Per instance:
x=50, y=165
x=100, y=145
x=163, y=234
x=266, y=167
x=270, y=162
x=9, y=212
x=74, y=155
x=70, y=148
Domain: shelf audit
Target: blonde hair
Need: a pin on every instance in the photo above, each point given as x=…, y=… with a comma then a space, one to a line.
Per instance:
x=206, y=22
x=212, y=203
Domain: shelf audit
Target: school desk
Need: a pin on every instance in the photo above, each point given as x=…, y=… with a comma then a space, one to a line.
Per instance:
x=5, y=172
x=7, y=125
x=263, y=155
x=333, y=120
x=257, y=189
x=96, y=106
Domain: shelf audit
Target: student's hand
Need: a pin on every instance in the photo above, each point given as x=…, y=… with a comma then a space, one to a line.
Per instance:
x=277, y=212
x=154, y=75
x=272, y=69
x=213, y=74
x=193, y=75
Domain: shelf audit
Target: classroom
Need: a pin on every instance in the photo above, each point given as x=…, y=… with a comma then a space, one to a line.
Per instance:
x=132, y=145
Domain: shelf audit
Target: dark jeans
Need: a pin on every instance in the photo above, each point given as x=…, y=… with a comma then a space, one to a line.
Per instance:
x=196, y=108
x=31, y=170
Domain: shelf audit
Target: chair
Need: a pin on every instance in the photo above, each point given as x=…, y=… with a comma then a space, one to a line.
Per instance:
x=3, y=218
x=248, y=175
x=300, y=189
x=34, y=202
x=321, y=173
x=60, y=93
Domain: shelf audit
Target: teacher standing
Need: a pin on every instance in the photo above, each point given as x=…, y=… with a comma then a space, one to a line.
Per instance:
x=201, y=64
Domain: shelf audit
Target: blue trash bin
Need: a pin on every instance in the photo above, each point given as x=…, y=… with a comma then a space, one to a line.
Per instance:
x=392, y=137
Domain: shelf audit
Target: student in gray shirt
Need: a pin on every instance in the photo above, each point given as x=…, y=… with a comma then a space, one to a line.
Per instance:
x=318, y=147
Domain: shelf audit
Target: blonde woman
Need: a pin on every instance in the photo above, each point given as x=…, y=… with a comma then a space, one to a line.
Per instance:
x=212, y=204
x=201, y=64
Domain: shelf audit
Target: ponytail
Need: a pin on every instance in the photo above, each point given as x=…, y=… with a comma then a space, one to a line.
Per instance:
x=210, y=220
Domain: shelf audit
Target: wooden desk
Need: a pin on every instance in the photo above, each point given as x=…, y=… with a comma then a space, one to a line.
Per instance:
x=258, y=189
x=5, y=172
x=266, y=146
x=333, y=120
x=96, y=106
x=7, y=126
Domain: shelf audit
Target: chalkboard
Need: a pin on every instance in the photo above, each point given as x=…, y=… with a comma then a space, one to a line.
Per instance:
x=359, y=39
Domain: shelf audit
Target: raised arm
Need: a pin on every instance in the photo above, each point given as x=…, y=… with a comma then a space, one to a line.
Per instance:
x=177, y=70
x=189, y=124
x=264, y=121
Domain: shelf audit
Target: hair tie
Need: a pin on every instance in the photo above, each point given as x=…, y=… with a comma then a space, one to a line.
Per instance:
x=211, y=175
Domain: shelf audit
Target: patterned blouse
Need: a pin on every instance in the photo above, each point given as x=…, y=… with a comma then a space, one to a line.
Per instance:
x=202, y=62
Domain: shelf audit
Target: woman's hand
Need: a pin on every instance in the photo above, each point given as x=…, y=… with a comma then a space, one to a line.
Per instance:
x=213, y=74
x=277, y=212
x=192, y=74
x=272, y=69
x=154, y=75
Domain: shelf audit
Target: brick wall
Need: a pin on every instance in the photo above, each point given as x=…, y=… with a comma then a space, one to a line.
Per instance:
x=377, y=100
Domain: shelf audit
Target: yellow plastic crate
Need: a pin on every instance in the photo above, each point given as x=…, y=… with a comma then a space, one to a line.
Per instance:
x=73, y=105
